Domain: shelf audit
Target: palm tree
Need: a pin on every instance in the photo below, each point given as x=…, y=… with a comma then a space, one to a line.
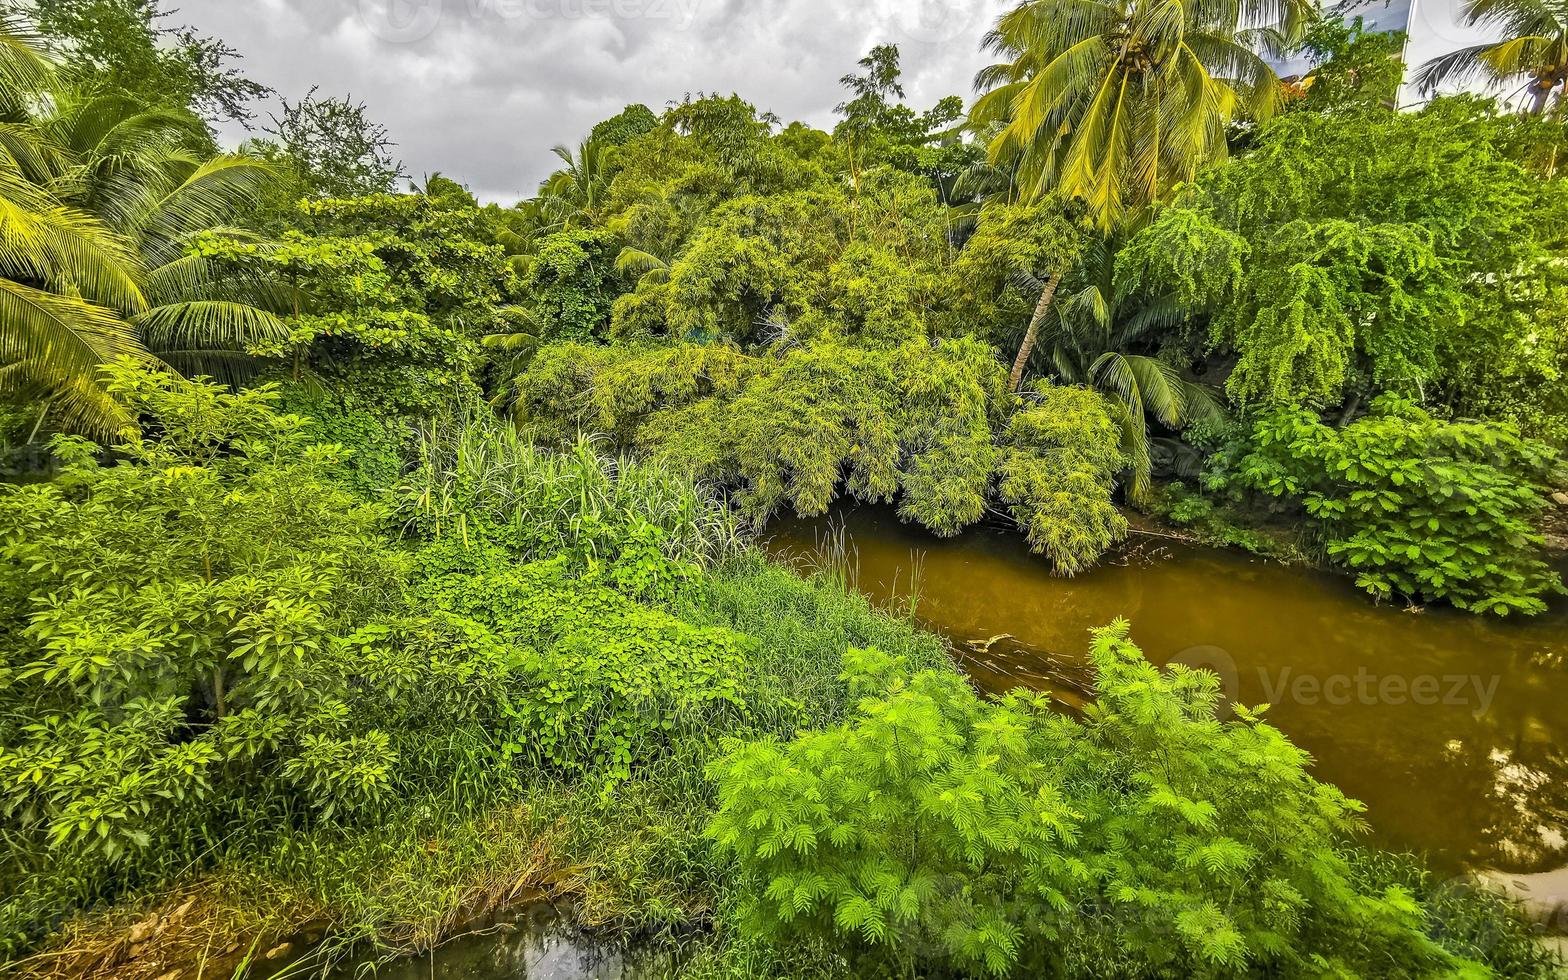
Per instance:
x=101, y=199
x=68, y=282
x=574, y=194
x=148, y=175
x=1534, y=47
x=1117, y=101
x=1095, y=336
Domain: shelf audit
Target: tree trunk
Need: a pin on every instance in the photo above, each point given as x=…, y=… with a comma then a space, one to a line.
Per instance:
x=1047, y=295
x=1349, y=413
x=1542, y=91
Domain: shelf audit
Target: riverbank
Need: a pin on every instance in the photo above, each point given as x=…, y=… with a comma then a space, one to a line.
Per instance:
x=632, y=865
x=635, y=859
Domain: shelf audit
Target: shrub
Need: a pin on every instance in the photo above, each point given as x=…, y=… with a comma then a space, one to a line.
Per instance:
x=917, y=423
x=607, y=680
x=1414, y=505
x=1058, y=469
x=935, y=830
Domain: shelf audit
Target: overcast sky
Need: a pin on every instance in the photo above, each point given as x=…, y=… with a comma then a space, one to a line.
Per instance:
x=481, y=89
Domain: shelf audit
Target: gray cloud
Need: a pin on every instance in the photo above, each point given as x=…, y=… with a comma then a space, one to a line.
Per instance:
x=481, y=89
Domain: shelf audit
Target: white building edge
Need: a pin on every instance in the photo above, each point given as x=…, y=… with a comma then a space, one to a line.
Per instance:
x=1433, y=28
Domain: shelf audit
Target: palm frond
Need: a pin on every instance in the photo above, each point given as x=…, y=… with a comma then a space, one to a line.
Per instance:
x=208, y=325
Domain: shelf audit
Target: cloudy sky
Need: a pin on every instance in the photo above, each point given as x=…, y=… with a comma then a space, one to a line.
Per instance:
x=481, y=89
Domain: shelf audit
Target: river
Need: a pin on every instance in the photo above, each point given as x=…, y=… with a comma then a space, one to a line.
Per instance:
x=1446, y=725
x=1453, y=729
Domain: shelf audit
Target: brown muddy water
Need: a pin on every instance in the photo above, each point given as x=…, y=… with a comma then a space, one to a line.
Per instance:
x=1453, y=729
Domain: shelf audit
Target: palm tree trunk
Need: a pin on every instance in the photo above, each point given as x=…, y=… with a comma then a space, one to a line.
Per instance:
x=1047, y=295
x=1541, y=91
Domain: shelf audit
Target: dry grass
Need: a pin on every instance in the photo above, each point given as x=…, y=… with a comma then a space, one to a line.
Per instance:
x=226, y=924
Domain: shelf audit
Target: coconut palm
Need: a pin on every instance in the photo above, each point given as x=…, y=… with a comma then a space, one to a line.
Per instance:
x=102, y=199
x=1533, y=48
x=1099, y=335
x=68, y=282
x=149, y=175
x=1116, y=101
x=574, y=194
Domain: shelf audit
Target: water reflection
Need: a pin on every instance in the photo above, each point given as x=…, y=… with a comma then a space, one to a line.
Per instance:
x=538, y=942
x=1447, y=725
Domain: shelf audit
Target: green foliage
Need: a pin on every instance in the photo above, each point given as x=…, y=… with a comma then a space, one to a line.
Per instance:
x=1362, y=252
x=572, y=283
x=997, y=279
x=611, y=680
x=385, y=298
x=812, y=263
x=1117, y=108
x=123, y=47
x=169, y=613
x=935, y=830
x=439, y=252
x=1353, y=68
x=625, y=126
x=479, y=481
x=373, y=444
x=1058, y=466
x=1415, y=506
x=103, y=195
x=1215, y=523
x=915, y=423
x=333, y=149
x=877, y=130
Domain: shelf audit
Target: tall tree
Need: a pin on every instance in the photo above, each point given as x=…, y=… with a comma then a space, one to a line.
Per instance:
x=127, y=46
x=334, y=148
x=1117, y=101
x=101, y=200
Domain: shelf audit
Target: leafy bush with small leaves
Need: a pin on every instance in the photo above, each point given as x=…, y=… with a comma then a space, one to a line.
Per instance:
x=1415, y=506
x=167, y=603
x=936, y=830
x=1059, y=463
x=608, y=680
x=917, y=423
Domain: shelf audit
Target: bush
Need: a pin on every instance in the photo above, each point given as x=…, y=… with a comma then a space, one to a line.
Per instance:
x=917, y=423
x=1058, y=469
x=607, y=680
x=935, y=830
x=1415, y=506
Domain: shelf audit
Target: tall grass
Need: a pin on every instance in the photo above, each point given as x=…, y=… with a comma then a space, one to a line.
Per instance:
x=476, y=468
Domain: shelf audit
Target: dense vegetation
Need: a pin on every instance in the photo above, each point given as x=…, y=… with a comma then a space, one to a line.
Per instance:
x=376, y=555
